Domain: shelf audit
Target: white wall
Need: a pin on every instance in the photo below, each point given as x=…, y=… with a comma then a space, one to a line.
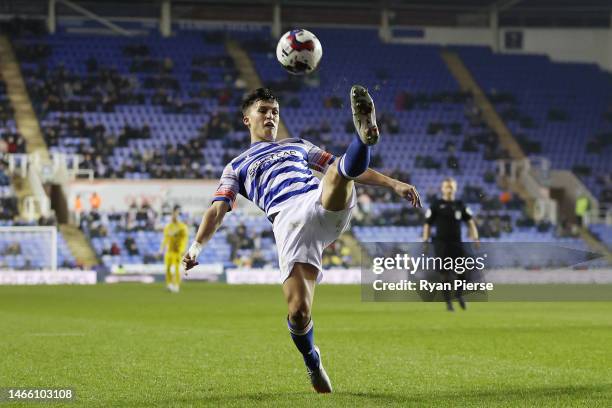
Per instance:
x=193, y=196
x=590, y=45
x=571, y=44
x=459, y=36
x=451, y=36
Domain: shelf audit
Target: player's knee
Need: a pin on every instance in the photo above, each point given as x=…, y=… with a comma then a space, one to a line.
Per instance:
x=299, y=313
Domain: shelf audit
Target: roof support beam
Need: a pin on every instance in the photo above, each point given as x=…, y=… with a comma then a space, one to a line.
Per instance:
x=165, y=18
x=503, y=5
x=104, y=21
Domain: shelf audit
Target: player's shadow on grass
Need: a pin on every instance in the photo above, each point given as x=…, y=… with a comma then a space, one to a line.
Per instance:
x=533, y=395
x=536, y=396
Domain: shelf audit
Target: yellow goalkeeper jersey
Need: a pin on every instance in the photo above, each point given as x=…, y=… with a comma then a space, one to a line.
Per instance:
x=176, y=235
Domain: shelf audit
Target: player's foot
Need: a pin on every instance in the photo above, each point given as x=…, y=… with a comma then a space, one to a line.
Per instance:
x=169, y=287
x=318, y=378
x=449, y=307
x=461, y=302
x=364, y=115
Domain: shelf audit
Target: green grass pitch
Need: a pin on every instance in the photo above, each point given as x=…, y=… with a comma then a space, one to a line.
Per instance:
x=219, y=345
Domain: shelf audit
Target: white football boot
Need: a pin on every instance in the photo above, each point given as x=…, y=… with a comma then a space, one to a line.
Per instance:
x=364, y=115
x=319, y=379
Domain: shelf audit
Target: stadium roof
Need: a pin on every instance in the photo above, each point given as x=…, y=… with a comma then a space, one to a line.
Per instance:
x=559, y=13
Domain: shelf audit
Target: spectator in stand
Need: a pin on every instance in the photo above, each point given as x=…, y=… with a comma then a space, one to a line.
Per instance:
x=452, y=162
x=505, y=197
x=166, y=209
x=388, y=124
x=239, y=240
x=336, y=255
x=95, y=201
x=142, y=213
x=582, y=208
x=8, y=207
x=78, y=209
x=115, y=250
x=98, y=229
x=12, y=249
x=257, y=259
x=130, y=246
x=49, y=220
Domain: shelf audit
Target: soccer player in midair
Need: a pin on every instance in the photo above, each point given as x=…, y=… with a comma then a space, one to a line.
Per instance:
x=176, y=235
x=307, y=214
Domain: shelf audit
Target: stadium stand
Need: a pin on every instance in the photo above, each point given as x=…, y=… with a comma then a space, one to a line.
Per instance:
x=20, y=250
x=561, y=111
x=120, y=238
x=135, y=108
x=27, y=250
x=8, y=200
x=135, y=237
x=153, y=107
x=603, y=233
x=10, y=142
x=10, y=139
x=431, y=131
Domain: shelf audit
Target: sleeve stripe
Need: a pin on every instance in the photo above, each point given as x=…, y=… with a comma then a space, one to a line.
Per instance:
x=227, y=200
x=324, y=159
x=225, y=193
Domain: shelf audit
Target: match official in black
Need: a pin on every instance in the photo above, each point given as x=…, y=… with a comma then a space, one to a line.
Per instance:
x=446, y=215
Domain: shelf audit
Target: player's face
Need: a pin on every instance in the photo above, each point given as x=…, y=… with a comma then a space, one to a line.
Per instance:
x=448, y=190
x=262, y=119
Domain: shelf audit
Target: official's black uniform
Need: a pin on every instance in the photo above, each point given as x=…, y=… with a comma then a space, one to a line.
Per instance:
x=446, y=217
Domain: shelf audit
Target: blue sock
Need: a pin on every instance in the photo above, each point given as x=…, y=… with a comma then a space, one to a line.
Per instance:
x=355, y=160
x=304, y=341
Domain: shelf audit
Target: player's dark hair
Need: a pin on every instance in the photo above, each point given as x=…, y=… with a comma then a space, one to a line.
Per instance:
x=450, y=180
x=259, y=94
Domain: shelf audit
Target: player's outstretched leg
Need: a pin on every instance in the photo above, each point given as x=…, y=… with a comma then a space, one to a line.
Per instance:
x=357, y=156
x=299, y=292
x=338, y=180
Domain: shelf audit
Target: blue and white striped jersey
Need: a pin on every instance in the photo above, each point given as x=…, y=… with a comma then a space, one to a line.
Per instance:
x=271, y=174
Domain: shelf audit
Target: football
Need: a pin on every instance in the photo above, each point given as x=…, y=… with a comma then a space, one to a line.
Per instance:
x=299, y=52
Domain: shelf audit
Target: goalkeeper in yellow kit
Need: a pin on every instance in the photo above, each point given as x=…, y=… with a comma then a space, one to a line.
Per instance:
x=174, y=244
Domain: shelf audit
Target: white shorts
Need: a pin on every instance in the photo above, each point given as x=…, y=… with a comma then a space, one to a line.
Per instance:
x=304, y=229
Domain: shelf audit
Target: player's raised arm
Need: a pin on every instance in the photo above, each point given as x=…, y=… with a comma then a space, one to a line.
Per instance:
x=211, y=221
x=405, y=190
